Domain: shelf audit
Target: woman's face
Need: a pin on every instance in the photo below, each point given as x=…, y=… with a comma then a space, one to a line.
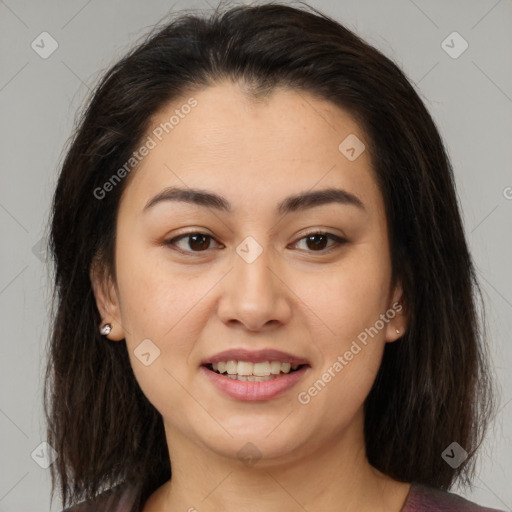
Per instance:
x=251, y=278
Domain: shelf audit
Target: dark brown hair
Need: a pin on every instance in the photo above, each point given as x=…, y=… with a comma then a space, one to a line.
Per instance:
x=434, y=385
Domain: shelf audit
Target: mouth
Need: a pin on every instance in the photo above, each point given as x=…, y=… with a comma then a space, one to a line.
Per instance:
x=248, y=374
x=253, y=372
x=247, y=381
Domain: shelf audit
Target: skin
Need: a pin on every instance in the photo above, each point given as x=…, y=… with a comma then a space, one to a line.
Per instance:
x=293, y=297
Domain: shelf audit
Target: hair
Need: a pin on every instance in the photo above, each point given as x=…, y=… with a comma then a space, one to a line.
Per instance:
x=434, y=385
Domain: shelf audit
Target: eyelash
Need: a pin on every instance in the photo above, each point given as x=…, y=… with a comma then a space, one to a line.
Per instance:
x=338, y=241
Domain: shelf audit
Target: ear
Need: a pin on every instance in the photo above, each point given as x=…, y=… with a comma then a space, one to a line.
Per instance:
x=396, y=315
x=107, y=300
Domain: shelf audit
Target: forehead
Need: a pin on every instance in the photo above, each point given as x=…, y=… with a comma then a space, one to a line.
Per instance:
x=253, y=152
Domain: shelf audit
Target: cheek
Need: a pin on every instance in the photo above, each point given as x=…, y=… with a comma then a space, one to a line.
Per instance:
x=152, y=296
x=158, y=314
x=163, y=305
x=350, y=296
x=349, y=301
x=349, y=352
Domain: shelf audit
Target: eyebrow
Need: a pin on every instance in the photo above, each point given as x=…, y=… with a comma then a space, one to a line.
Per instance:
x=294, y=203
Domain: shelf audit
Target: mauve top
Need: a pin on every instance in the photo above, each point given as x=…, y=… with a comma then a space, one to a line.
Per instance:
x=420, y=499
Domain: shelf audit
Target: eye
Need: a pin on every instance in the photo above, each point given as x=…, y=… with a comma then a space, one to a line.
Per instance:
x=318, y=240
x=196, y=242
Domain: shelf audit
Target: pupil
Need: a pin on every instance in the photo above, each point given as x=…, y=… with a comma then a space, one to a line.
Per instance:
x=204, y=245
x=317, y=244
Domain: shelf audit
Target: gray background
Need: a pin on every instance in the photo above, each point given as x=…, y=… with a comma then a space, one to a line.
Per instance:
x=470, y=97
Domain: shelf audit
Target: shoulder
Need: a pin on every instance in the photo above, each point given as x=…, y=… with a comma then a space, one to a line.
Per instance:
x=423, y=498
x=125, y=495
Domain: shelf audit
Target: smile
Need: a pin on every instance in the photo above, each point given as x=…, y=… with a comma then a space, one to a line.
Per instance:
x=244, y=380
x=253, y=372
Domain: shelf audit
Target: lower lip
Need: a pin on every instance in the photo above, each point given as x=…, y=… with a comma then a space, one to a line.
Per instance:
x=245, y=390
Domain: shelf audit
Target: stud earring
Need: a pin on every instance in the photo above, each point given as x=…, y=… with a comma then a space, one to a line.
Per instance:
x=398, y=331
x=105, y=329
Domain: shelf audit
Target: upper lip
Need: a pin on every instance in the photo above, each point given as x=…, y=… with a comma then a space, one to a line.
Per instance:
x=254, y=356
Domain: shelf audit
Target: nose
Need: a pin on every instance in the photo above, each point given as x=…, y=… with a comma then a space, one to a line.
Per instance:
x=254, y=295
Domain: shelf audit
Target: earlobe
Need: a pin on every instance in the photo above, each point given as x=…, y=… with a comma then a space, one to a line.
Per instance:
x=107, y=303
x=395, y=329
x=397, y=317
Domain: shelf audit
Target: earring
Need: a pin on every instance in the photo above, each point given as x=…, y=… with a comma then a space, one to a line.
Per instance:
x=398, y=331
x=105, y=329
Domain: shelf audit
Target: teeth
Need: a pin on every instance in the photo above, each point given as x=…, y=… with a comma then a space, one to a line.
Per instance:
x=275, y=367
x=252, y=378
x=231, y=367
x=261, y=369
x=249, y=370
x=245, y=368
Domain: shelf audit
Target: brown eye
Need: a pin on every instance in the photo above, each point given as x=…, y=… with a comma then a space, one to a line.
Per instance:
x=192, y=242
x=199, y=241
x=317, y=241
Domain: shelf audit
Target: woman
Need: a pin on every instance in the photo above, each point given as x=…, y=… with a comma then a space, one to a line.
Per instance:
x=263, y=286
